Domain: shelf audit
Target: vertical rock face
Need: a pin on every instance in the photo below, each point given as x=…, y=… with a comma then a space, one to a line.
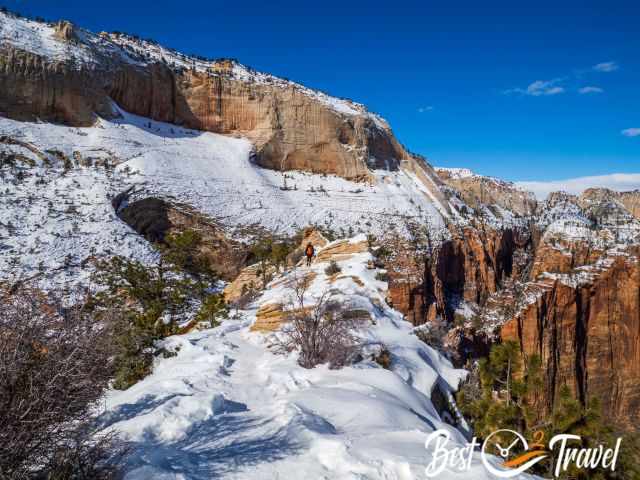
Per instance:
x=290, y=129
x=469, y=267
x=587, y=333
x=31, y=88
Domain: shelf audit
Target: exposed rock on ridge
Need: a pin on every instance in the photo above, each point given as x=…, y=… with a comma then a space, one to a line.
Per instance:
x=478, y=190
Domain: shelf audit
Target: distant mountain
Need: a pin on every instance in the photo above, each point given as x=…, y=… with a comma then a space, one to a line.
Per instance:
x=479, y=190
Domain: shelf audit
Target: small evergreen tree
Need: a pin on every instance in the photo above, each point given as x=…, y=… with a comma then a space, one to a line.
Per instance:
x=505, y=386
x=502, y=393
x=213, y=308
x=261, y=250
x=183, y=251
x=151, y=298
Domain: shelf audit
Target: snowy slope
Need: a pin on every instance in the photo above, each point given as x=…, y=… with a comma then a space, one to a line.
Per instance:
x=227, y=407
x=49, y=213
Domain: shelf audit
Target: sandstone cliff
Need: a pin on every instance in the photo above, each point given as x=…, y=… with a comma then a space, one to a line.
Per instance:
x=63, y=74
x=585, y=325
x=465, y=269
x=578, y=308
x=565, y=285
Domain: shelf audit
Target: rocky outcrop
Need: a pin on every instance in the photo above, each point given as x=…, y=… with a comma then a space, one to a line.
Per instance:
x=65, y=31
x=291, y=126
x=560, y=255
x=585, y=326
x=477, y=190
x=629, y=201
x=269, y=318
x=155, y=218
x=249, y=280
x=340, y=250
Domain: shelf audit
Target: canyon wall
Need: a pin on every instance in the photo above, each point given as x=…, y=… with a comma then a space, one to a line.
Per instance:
x=469, y=267
x=586, y=330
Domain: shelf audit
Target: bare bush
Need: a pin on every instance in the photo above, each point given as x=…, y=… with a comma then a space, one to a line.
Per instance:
x=333, y=268
x=54, y=367
x=321, y=332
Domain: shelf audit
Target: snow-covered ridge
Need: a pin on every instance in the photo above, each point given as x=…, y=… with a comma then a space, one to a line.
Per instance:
x=90, y=49
x=228, y=406
x=146, y=51
x=39, y=38
x=456, y=173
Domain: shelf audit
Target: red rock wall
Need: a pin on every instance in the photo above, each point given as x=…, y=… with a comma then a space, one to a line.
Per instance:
x=588, y=338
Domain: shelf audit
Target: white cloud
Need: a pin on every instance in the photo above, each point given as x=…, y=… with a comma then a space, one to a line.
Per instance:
x=631, y=132
x=615, y=181
x=606, y=67
x=590, y=89
x=540, y=88
x=428, y=108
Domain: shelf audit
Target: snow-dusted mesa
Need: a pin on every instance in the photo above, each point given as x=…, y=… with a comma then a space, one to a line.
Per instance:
x=456, y=172
x=498, y=200
x=230, y=405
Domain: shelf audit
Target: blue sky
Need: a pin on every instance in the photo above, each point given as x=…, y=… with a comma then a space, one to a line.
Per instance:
x=454, y=79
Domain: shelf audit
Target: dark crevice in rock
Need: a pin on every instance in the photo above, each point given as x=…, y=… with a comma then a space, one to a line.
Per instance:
x=149, y=217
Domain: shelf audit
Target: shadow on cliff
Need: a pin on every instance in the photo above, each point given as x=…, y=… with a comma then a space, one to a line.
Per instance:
x=167, y=130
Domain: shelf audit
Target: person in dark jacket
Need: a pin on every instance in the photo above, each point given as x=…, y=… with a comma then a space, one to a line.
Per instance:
x=309, y=252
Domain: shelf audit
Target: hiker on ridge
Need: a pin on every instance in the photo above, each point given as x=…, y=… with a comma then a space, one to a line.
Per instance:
x=309, y=252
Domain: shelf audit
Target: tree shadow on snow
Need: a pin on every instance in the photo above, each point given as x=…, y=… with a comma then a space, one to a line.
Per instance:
x=127, y=411
x=222, y=444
